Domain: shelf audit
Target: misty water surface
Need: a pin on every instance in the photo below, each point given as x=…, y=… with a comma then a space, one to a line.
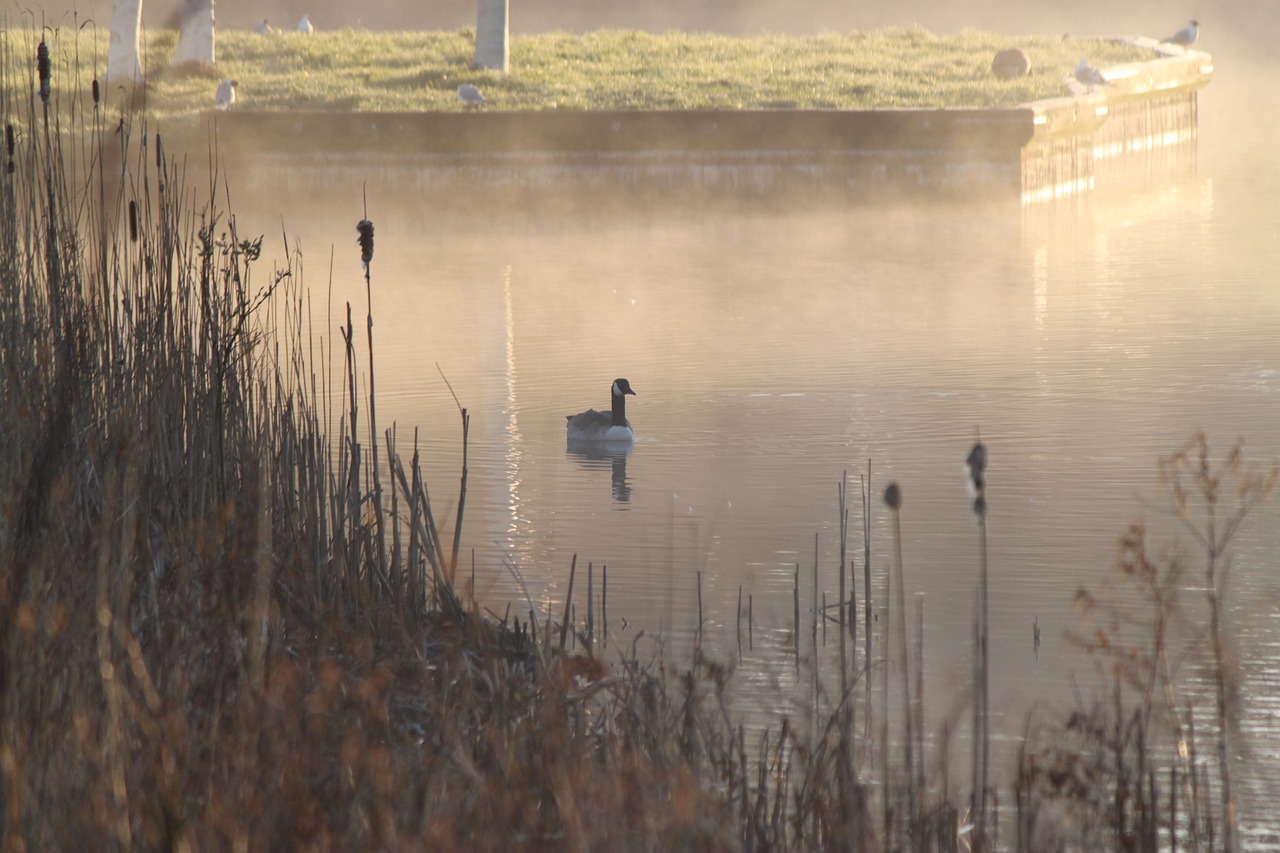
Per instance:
x=775, y=349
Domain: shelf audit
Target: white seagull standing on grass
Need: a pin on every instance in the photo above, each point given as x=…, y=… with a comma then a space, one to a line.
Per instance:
x=226, y=94
x=1090, y=76
x=263, y=28
x=304, y=25
x=470, y=95
x=1186, y=36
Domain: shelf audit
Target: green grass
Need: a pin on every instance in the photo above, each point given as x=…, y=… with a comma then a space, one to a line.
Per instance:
x=356, y=70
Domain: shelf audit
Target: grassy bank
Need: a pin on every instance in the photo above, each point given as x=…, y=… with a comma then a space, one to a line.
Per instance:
x=353, y=70
x=229, y=616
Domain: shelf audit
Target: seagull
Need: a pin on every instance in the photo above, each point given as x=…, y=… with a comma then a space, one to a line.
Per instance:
x=263, y=28
x=226, y=94
x=304, y=25
x=470, y=95
x=1090, y=76
x=1186, y=36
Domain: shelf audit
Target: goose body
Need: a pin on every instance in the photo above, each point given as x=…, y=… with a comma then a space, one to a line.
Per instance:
x=604, y=426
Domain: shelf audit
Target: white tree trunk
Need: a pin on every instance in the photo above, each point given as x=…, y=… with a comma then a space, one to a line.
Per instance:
x=491, y=35
x=124, y=55
x=195, y=40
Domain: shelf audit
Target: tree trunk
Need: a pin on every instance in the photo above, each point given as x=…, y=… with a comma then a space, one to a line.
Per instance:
x=491, y=35
x=124, y=55
x=195, y=40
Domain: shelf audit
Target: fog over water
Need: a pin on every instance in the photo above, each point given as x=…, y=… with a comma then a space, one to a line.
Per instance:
x=776, y=347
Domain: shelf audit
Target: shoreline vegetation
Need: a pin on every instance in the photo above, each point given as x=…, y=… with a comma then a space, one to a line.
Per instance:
x=363, y=71
x=229, y=617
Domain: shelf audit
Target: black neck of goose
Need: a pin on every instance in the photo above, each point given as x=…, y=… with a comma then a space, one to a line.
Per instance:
x=619, y=409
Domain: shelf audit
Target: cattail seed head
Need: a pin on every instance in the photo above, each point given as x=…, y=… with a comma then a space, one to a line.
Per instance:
x=133, y=221
x=8, y=139
x=365, y=227
x=95, y=91
x=42, y=67
x=893, y=497
x=976, y=467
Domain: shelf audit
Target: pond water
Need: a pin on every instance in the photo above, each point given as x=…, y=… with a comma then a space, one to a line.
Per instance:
x=777, y=349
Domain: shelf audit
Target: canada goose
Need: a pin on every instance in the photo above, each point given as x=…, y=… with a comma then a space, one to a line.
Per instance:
x=226, y=94
x=470, y=95
x=1186, y=36
x=605, y=426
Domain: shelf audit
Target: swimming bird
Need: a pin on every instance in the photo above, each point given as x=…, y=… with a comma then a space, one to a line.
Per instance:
x=226, y=94
x=304, y=25
x=1186, y=36
x=263, y=28
x=1090, y=76
x=605, y=426
x=470, y=96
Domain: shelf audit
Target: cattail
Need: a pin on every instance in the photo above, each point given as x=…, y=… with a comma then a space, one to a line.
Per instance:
x=133, y=220
x=976, y=462
x=159, y=153
x=365, y=227
x=8, y=139
x=893, y=497
x=42, y=66
x=95, y=91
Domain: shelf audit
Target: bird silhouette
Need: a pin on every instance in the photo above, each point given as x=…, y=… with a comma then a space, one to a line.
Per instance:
x=1186, y=36
x=1090, y=76
x=471, y=96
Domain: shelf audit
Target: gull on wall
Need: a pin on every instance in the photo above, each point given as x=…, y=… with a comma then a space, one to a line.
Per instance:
x=470, y=95
x=226, y=94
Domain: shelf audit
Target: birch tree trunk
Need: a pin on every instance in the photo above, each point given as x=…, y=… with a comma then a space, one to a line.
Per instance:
x=124, y=54
x=195, y=39
x=492, y=35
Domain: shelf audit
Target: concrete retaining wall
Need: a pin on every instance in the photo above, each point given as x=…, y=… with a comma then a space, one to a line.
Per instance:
x=1140, y=129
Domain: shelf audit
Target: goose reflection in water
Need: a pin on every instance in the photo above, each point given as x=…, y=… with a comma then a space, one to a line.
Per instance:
x=594, y=454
